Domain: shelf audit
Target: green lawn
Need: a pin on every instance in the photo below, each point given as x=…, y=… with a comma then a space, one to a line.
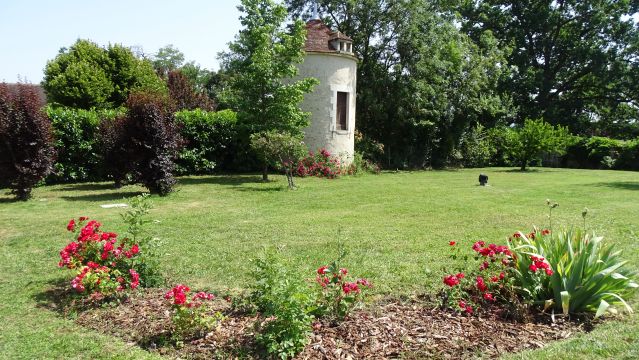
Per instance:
x=396, y=227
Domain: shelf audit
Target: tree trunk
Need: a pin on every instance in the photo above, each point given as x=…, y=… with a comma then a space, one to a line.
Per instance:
x=265, y=173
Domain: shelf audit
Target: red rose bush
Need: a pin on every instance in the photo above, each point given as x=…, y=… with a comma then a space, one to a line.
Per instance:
x=104, y=266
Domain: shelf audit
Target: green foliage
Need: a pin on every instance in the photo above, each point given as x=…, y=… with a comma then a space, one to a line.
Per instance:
x=337, y=297
x=368, y=148
x=261, y=63
x=147, y=264
x=475, y=147
x=76, y=133
x=629, y=156
x=572, y=61
x=281, y=150
x=285, y=308
x=360, y=165
x=167, y=59
x=588, y=275
x=535, y=138
x=86, y=76
x=421, y=83
x=209, y=140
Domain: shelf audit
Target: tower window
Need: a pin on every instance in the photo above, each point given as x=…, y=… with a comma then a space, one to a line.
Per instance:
x=341, y=118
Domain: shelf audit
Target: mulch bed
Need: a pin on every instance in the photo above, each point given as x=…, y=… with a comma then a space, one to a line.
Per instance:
x=410, y=329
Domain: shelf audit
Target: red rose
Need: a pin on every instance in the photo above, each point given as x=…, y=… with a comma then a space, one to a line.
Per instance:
x=71, y=225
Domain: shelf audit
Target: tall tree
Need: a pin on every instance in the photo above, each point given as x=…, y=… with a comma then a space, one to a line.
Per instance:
x=262, y=66
x=167, y=59
x=87, y=75
x=573, y=61
x=421, y=83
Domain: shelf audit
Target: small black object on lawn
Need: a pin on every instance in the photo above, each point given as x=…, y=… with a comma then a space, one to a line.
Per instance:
x=483, y=179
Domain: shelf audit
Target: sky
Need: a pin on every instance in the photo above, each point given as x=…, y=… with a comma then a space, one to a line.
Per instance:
x=33, y=31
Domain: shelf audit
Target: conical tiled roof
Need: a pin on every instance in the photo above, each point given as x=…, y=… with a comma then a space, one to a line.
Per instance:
x=319, y=36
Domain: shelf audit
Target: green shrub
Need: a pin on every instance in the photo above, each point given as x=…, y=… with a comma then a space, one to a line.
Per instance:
x=76, y=132
x=147, y=263
x=476, y=147
x=209, y=140
x=498, y=138
x=285, y=308
x=280, y=150
x=535, y=138
x=360, y=165
x=585, y=274
x=337, y=296
x=629, y=156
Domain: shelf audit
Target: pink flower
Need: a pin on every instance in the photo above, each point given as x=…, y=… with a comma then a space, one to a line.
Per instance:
x=532, y=268
x=135, y=249
x=204, y=296
x=489, y=297
x=462, y=304
x=323, y=270
x=364, y=283
x=460, y=275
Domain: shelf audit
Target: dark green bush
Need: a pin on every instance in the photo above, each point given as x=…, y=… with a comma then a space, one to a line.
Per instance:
x=593, y=153
x=209, y=140
x=629, y=156
x=76, y=134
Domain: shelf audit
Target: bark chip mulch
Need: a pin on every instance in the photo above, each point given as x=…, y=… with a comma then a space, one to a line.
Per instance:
x=395, y=329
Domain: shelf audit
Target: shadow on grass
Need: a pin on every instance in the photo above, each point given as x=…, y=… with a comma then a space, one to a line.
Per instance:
x=88, y=187
x=59, y=298
x=527, y=171
x=227, y=180
x=622, y=185
x=120, y=195
x=8, y=200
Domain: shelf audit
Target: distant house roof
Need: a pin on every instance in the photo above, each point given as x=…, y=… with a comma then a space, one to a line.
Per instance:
x=319, y=37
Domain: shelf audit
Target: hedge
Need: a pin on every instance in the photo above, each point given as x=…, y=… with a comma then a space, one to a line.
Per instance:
x=76, y=132
x=210, y=141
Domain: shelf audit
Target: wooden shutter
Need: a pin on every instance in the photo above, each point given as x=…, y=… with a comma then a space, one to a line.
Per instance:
x=341, y=119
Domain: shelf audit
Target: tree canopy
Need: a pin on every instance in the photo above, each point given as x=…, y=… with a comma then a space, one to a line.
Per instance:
x=261, y=63
x=86, y=76
x=573, y=62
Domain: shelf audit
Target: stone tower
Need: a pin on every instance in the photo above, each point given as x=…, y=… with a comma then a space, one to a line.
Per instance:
x=330, y=59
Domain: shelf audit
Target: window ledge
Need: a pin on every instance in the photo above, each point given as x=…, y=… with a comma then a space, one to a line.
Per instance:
x=341, y=132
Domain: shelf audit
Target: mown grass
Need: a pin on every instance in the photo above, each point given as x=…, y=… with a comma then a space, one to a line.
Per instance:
x=395, y=226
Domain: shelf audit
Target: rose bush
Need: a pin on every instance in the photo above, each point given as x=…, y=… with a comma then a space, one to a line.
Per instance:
x=189, y=317
x=320, y=164
x=338, y=296
x=104, y=266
